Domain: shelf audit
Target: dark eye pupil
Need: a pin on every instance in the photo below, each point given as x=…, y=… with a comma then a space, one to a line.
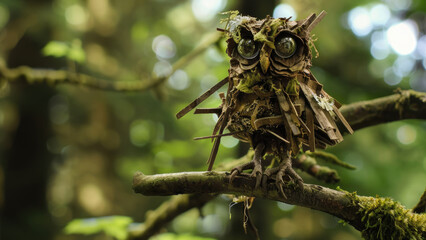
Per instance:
x=247, y=48
x=285, y=47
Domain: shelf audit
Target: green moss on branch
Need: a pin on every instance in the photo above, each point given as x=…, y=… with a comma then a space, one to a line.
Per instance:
x=383, y=218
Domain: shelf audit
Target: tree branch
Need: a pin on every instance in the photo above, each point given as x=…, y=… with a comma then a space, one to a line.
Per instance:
x=176, y=206
x=407, y=104
x=52, y=77
x=372, y=216
x=412, y=103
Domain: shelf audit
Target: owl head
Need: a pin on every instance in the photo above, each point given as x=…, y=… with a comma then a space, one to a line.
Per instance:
x=273, y=46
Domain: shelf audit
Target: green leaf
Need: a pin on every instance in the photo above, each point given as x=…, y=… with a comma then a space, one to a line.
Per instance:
x=115, y=226
x=56, y=49
x=172, y=236
x=76, y=52
x=73, y=51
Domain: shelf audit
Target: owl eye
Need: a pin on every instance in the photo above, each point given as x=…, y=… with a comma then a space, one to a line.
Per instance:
x=248, y=48
x=285, y=47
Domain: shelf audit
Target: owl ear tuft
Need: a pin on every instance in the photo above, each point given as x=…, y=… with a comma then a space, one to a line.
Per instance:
x=316, y=20
x=310, y=22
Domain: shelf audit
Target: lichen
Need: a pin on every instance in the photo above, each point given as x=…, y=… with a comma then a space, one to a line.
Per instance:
x=233, y=24
x=385, y=219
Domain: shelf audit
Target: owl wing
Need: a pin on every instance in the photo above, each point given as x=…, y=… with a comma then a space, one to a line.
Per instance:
x=322, y=113
x=201, y=98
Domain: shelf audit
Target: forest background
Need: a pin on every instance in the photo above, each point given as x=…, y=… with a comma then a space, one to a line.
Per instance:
x=69, y=151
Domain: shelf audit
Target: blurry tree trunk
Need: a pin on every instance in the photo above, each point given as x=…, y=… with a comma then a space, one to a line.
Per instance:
x=26, y=163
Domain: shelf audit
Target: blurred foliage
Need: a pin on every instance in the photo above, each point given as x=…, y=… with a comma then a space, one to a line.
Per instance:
x=171, y=236
x=115, y=226
x=72, y=51
x=89, y=143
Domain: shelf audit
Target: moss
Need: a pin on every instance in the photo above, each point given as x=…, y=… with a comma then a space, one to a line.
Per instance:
x=293, y=87
x=269, y=31
x=248, y=81
x=384, y=218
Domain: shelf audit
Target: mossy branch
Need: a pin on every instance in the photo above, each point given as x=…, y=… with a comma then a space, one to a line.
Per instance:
x=376, y=218
x=166, y=212
x=405, y=104
x=52, y=77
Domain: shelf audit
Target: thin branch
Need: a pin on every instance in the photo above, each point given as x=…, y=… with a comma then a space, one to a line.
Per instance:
x=166, y=212
x=52, y=77
x=407, y=104
x=172, y=208
x=374, y=217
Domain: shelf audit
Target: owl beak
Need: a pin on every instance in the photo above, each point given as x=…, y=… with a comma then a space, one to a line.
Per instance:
x=265, y=52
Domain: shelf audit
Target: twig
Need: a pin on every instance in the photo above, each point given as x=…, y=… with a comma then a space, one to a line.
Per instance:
x=52, y=77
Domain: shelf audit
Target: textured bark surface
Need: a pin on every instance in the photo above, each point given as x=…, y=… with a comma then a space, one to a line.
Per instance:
x=376, y=218
x=405, y=104
x=416, y=102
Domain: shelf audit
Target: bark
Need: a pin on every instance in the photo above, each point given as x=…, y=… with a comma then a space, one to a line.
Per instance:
x=374, y=217
x=402, y=105
x=407, y=104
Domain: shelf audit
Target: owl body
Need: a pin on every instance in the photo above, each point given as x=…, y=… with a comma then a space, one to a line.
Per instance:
x=273, y=100
x=272, y=93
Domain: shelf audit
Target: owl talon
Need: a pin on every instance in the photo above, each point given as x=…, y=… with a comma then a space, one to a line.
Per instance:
x=267, y=175
x=295, y=177
x=283, y=170
x=239, y=169
x=279, y=183
x=255, y=164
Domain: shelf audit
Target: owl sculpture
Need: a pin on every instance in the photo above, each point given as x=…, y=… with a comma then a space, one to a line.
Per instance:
x=273, y=101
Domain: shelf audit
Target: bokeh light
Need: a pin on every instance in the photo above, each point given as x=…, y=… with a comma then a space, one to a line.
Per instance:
x=421, y=46
x=399, y=5
x=402, y=37
x=391, y=36
x=179, y=80
x=390, y=77
x=229, y=142
x=360, y=21
x=284, y=11
x=143, y=132
x=379, y=45
x=285, y=207
x=379, y=14
x=403, y=66
x=76, y=15
x=284, y=227
x=163, y=47
x=162, y=69
x=406, y=134
x=206, y=10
